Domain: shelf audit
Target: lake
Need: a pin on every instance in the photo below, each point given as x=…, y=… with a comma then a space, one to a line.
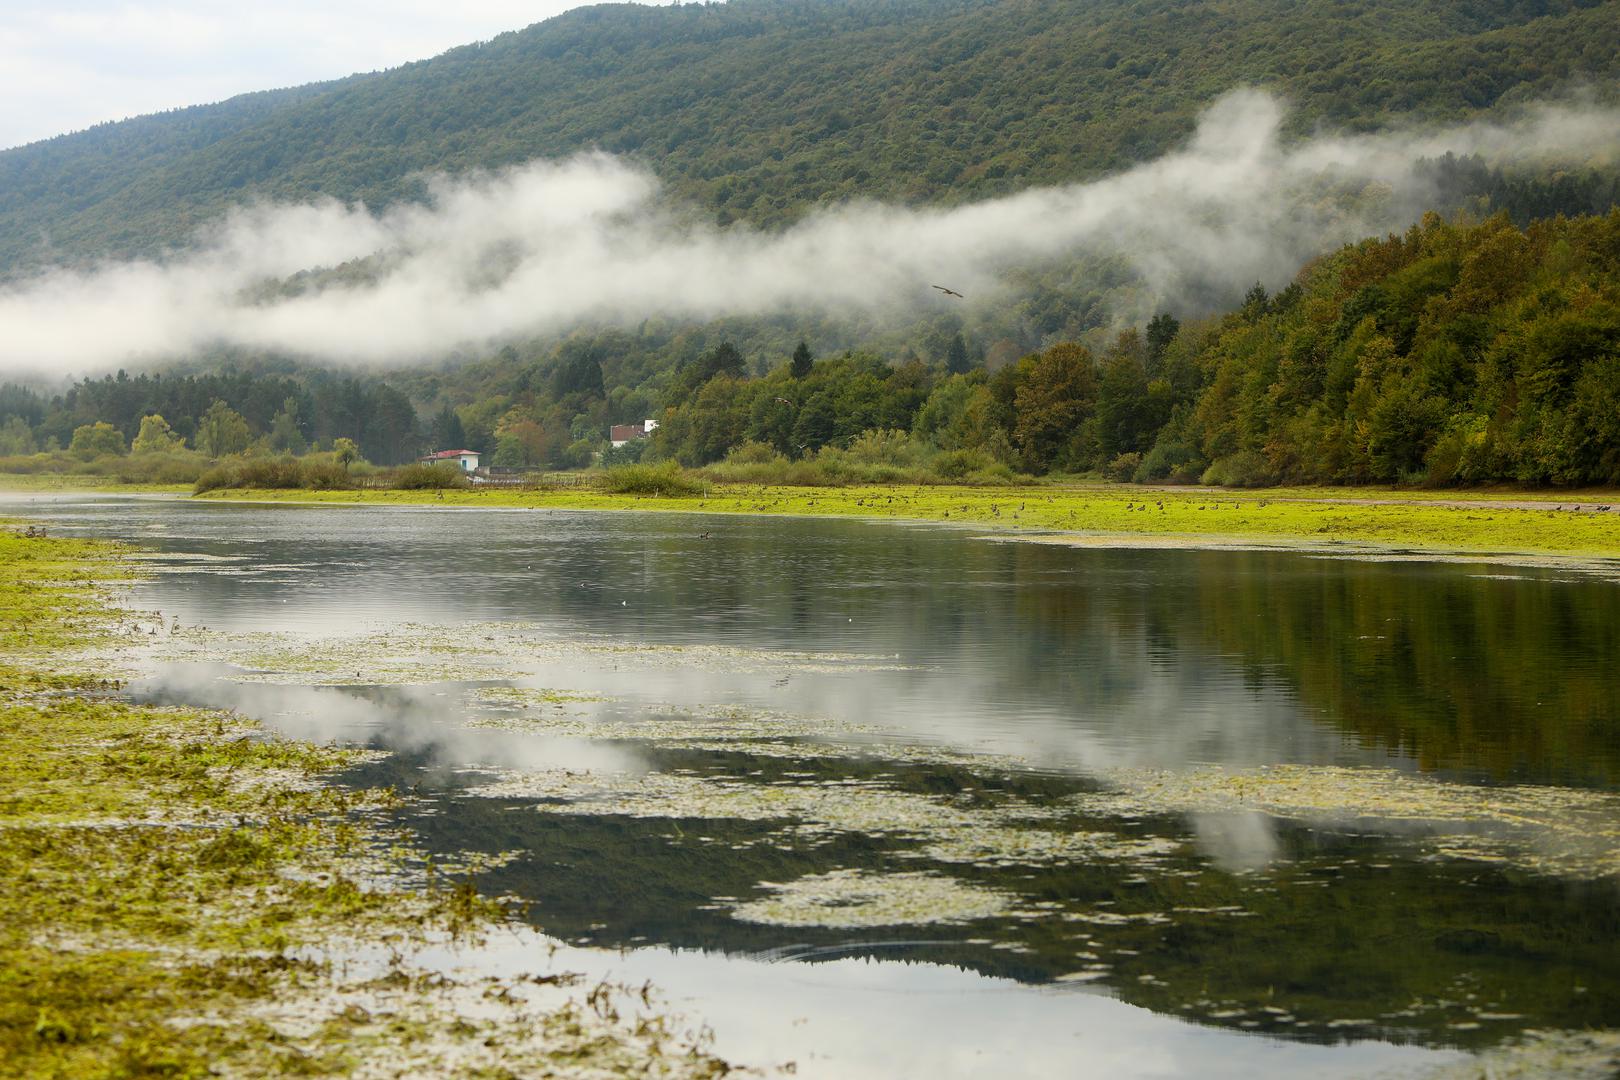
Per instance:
x=886, y=799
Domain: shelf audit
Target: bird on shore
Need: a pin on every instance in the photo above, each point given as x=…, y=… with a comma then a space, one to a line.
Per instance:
x=949, y=292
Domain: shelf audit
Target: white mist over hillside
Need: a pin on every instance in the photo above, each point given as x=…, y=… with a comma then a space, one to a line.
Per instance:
x=544, y=246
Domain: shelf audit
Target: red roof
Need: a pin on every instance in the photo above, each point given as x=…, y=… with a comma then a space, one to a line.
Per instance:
x=454, y=453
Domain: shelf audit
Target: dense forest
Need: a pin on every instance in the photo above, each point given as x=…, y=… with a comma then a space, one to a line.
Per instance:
x=760, y=109
x=261, y=411
x=1459, y=352
x=1455, y=353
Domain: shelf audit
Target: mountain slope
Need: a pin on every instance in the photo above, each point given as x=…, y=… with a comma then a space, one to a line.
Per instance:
x=757, y=109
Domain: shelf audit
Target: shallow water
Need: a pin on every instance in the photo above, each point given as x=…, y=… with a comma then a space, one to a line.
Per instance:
x=840, y=786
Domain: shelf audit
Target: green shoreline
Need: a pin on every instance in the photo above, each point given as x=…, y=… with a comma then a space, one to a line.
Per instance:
x=1474, y=522
x=1440, y=522
x=173, y=877
x=1471, y=522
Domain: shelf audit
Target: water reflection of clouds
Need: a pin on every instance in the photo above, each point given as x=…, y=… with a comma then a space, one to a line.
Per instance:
x=1242, y=840
x=1082, y=662
x=415, y=720
x=860, y=1018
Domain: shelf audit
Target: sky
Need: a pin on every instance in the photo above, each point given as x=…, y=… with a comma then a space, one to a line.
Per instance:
x=68, y=64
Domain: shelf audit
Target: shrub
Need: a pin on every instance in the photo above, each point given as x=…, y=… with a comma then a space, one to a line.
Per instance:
x=32, y=463
x=174, y=466
x=1171, y=460
x=754, y=453
x=272, y=473
x=97, y=440
x=1246, y=468
x=997, y=472
x=884, y=447
x=665, y=478
x=220, y=476
x=959, y=464
x=420, y=477
x=325, y=476
x=1123, y=468
x=581, y=453
x=886, y=458
x=628, y=454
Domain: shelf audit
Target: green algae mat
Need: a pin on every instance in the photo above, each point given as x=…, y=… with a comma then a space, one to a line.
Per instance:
x=176, y=884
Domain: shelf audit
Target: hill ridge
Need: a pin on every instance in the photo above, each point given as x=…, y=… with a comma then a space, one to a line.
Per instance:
x=760, y=109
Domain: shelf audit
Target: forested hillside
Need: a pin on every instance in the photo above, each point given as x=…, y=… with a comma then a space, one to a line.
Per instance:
x=1456, y=353
x=758, y=109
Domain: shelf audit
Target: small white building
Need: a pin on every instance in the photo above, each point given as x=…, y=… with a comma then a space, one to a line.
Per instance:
x=467, y=459
x=619, y=434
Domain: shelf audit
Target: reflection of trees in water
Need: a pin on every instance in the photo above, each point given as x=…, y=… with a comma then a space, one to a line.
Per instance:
x=1517, y=678
x=1163, y=644
x=1350, y=928
x=1460, y=666
x=1220, y=656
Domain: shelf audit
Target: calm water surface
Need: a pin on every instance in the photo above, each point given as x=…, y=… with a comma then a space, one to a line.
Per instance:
x=978, y=678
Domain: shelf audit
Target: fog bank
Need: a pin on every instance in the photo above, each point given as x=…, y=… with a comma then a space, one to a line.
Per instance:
x=547, y=245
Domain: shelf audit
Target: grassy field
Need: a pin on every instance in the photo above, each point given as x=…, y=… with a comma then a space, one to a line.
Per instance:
x=1477, y=521
x=166, y=876
x=86, y=482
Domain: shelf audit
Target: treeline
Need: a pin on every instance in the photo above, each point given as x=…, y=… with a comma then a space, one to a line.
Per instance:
x=1459, y=352
x=758, y=110
x=1452, y=354
x=1456, y=353
x=1467, y=184
x=218, y=414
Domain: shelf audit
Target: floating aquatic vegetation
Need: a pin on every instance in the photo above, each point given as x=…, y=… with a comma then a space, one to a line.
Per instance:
x=1567, y=1055
x=855, y=898
x=546, y=712
x=1566, y=831
x=525, y=697
x=993, y=845
x=416, y=653
x=758, y=732
x=163, y=866
x=818, y=810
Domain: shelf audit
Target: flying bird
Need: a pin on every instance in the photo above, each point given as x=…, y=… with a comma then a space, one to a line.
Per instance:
x=949, y=292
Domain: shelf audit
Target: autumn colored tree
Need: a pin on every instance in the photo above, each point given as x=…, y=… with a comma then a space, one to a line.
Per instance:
x=156, y=436
x=1054, y=402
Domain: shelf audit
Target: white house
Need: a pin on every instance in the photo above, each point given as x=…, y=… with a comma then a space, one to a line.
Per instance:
x=467, y=459
x=619, y=434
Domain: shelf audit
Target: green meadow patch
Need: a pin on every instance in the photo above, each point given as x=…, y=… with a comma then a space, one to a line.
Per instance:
x=1476, y=522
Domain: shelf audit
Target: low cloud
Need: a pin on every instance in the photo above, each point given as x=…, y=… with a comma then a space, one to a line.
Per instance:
x=549, y=245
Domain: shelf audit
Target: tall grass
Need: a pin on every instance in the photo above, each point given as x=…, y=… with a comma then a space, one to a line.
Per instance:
x=284, y=472
x=875, y=457
x=420, y=477
x=159, y=467
x=665, y=478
